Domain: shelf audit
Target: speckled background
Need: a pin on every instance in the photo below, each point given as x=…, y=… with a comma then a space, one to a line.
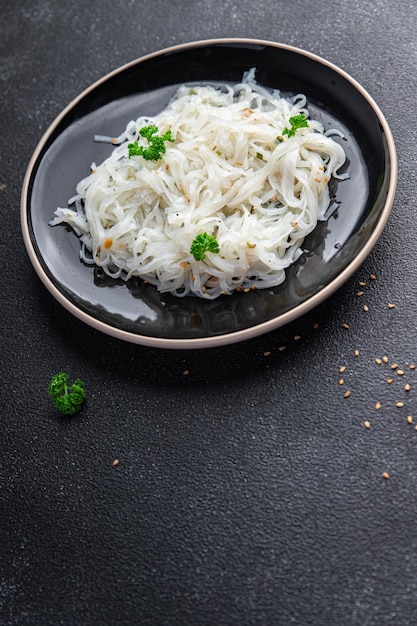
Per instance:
x=248, y=490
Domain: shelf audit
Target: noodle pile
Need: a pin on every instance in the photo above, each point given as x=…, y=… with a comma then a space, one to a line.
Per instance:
x=230, y=172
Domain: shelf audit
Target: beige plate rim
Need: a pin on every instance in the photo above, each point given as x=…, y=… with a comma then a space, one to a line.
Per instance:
x=253, y=331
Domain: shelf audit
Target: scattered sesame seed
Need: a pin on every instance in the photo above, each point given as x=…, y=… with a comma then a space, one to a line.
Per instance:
x=385, y=359
x=410, y=419
x=372, y=276
x=267, y=353
x=297, y=337
x=407, y=387
x=365, y=308
x=281, y=348
x=385, y=475
x=391, y=305
x=360, y=293
x=346, y=394
x=367, y=424
x=344, y=325
x=412, y=366
x=362, y=283
x=342, y=381
x=378, y=361
x=356, y=353
x=342, y=369
x=400, y=372
x=399, y=405
x=378, y=405
x=390, y=380
x=186, y=372
x=315, y=326
x=394, y=366
x=115, y=462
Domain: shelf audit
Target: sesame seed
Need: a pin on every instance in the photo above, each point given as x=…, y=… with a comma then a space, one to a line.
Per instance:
x=342, y=381
x=297, y=337
x=356, y=353
x=378, y=361
x=390, y=380
x=346, y=394
x=360, y=293
x=394, y=366
x=400, y=372
x=385, y=359
x=385, y=475
x=342, y=369
x=391, y=305
x=410, y=419
x=362, y=283
x=186, y=372
x=281, y=348
x=399, y=404
x=365, y=308
x=267, y=353
x=115, y=462
x=367, y=424
x=378, y=405
x=407, y=387
x=344, y=325
x=372, y=276
x=412, y=366
x=315, y=326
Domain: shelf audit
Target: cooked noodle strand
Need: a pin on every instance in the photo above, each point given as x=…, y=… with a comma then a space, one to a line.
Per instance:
x=229, y=172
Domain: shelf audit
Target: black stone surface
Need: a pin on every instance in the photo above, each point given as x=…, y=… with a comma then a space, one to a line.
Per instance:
x=248, y=490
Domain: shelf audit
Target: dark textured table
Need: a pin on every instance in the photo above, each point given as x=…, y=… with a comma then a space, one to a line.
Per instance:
x=249, y=490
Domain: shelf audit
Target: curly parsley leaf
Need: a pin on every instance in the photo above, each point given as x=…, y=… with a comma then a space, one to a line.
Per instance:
x=204, y=243
x=68, y=398
x=156, y=144
x=297, y=121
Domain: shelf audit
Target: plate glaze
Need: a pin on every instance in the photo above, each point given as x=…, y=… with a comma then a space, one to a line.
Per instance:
x=137, y=312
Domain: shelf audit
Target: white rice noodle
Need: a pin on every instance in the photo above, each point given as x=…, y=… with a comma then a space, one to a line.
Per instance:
x=230, y=172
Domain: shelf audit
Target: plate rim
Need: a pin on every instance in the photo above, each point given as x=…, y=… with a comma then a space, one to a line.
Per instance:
x=258, y=329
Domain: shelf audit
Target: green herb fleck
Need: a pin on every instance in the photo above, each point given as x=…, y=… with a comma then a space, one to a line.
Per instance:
x=68, y=398
x=204, y=243
x=297, y=121
x=156, y=147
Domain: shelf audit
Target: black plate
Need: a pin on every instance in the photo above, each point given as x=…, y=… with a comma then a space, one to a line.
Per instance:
x=137, y=312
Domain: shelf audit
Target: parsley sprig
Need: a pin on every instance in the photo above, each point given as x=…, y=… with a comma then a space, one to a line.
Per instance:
x=68, y=398
x=156, y=144
x=204, y=243
x=297, y=121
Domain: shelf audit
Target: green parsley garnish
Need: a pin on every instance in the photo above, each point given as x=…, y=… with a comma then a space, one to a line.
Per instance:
x=297, y=121
x=156, y=147
x=204, y=243
x=68, y=398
